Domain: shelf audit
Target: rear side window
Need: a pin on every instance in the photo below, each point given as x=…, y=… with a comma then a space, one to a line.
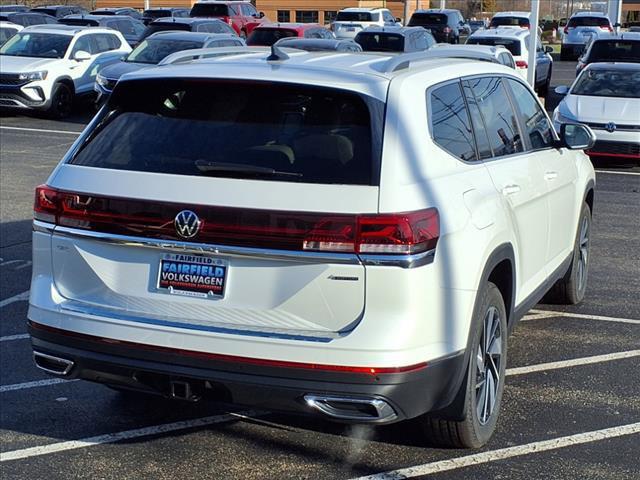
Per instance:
x=532, y=119
x=450, y=124
x=252, y=130
x=588, y=22
x=498, y=114
x=209, y=10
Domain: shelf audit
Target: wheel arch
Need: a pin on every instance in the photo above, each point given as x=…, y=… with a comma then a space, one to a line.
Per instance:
x=68, y=82
x=589, y=194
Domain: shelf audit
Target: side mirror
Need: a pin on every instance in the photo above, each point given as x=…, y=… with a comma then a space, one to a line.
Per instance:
x=81, y=56
x=398, y=20
x=548, y=49
x=561, y=90
x=261, y=15
x=576, y=136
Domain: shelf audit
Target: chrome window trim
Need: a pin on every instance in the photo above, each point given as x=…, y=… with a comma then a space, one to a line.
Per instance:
x=402, y=261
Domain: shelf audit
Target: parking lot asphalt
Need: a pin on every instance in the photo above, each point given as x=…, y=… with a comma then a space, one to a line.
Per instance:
x=572, y=399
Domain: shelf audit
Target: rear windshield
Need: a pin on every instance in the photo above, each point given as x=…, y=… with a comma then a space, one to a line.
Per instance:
x=152, y=50
x=157, y=13
x=79, y=22
x=615, y=51
x=209, y=10
x=589, y=22
x=375, y=42
x=269, y=36
x=163, y=27
x=248, y=130
x=46, y=11
x=356, y=17
x=420, y=19
x=512, y=45
x=510, y=22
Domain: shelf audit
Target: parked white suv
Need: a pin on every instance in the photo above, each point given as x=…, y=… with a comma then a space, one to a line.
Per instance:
x=44, y=67
x=350, y=21
x=350, y=235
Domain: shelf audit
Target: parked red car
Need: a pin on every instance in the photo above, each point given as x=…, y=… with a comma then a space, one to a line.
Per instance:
x=269, y=33
x=242, y=16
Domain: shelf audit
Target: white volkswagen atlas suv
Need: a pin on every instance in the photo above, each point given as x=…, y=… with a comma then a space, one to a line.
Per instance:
x=44, y=67
x=347, y=235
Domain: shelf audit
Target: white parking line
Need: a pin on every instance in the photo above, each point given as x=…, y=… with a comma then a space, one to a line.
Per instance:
x=618, y=173
x=19, y=336
x=574, y=362
x=539, y=314
x=39, y=130
x=504, y=453
x=36, y=383
x=118, y=436
x=16, y=298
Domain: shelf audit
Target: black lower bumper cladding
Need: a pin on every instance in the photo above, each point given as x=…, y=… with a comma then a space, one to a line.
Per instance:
x=254, y=383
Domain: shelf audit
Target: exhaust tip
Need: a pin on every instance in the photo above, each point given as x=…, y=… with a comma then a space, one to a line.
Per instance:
x=365, y=410
x=51, y=364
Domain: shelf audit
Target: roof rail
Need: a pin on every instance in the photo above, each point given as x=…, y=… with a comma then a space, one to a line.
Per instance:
x=197, y=53
x=405, y=60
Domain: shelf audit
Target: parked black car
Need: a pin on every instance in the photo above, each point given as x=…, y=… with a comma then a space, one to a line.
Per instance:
x=131, y=12
x=446, y=25
x=395, y=39
x=210, y=25
x=59, y=11
x=130, y=28
x=152, y=14
x=27, y=18
x=155, y=48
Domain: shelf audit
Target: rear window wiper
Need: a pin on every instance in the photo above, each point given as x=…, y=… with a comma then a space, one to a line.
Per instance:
x=223, y=167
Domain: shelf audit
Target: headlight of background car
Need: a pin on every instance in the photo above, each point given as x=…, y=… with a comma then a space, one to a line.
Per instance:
x=559, y=118
x=33, y=76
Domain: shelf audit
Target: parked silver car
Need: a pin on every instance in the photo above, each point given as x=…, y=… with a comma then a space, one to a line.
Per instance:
x=580, y=30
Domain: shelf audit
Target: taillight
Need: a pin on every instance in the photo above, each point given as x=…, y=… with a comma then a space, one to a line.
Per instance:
x=522, y=64
x=606, y=27
x=397, y=233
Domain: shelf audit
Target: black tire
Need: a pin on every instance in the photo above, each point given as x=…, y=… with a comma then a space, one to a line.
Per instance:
x=61, y=101
x=478, y=418
x=570, y=289
x=564, y=55
x=543, y=90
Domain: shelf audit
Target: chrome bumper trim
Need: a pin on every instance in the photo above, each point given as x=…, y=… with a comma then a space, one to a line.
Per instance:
x=403, y=261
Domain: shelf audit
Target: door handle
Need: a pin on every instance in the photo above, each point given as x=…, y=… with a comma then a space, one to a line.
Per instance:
x=550, y=175
x=510, y=189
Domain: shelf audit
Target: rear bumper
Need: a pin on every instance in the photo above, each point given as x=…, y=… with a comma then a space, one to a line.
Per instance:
x=409, y=394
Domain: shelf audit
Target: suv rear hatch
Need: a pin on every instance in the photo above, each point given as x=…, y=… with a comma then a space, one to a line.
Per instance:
x=275, y=174
x=438, y=23
x=348, y=24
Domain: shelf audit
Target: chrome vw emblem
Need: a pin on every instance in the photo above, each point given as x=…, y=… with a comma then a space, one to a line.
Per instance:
x=610, y=127
x=187, y=224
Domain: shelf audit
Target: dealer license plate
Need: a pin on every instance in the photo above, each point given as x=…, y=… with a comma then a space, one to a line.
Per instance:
x=192, y=275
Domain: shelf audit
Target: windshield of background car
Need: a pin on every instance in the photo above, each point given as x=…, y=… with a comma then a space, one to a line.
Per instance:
x=356, y=17
x=38, y=45
x=79, y=22
x=608, y=83
x=152, y=50
x=46, y=11
x=238, y=129
x=209, y=10
x=6, y=33
x=376, y=42
x=588, y=22
x=269, y=36
x=156, y=13
x=512, y=45
x=510, y=22
x=615, y=51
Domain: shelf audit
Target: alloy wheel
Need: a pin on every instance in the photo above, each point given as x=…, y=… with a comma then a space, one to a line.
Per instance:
x=583, y=259
x=489, y=356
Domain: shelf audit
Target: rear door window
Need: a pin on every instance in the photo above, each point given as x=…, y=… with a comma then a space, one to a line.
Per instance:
x=450, y=123
x=534, y=122
x=253, y=130
x=498, y=114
